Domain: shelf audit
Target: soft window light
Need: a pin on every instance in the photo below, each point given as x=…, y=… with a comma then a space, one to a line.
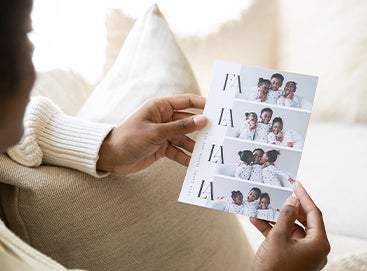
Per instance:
x=71, y=34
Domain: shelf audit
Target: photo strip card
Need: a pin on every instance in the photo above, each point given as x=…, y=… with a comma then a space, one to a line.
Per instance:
x=246, y=159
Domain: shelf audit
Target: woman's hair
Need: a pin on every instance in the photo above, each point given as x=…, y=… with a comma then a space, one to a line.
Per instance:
x=246, y=156
x=236, y=194
x=272, y=155
x=257, y=190
x=14, y=16
x=265, y=195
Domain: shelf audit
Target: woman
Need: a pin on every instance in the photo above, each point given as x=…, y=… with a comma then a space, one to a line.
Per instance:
x=164, y=133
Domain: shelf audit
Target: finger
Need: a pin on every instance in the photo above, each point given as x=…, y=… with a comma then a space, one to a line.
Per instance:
x=314, y=223
x=183, y=142
x=302, y=217
x=182, y=126
x=263, y=226
x=287, y=217
x=178, y=115
x=186, y=101
x=315, y=228
x=177, y=155
x=298, y=232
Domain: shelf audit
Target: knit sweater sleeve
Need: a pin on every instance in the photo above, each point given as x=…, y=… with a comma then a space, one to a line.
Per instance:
x=54, y=138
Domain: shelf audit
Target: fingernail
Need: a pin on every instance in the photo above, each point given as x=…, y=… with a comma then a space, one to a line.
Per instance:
x=199, y=120
x=292, y=201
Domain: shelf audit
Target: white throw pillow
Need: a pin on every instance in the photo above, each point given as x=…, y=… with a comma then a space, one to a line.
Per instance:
x=67, y=89
x=150, y=64
x=118, y=26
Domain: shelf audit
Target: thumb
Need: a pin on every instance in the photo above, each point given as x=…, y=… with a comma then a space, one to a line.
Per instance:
x=184, y=126
x=287, y=217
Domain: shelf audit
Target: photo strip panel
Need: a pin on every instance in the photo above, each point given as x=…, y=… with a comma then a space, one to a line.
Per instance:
x=285, y=166
x=305, y=84
x=295, y=123
x=243, y=197
x=254, y=138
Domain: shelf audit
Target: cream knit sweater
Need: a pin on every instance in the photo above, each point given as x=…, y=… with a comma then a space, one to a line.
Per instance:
x=54, y=138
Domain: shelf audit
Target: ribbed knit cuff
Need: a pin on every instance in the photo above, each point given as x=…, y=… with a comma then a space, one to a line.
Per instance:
x=62, y=140
x=72, y=142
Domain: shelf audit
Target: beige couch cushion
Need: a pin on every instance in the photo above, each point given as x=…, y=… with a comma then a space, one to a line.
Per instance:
x=129, y=222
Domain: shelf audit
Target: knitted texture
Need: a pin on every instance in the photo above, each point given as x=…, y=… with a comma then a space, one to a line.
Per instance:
x=54, y=138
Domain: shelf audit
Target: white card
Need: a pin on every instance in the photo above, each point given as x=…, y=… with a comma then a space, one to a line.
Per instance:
x=247, y=157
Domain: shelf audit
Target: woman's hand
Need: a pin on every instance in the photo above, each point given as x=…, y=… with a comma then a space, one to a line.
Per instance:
x=289, y=246
x=157, y=129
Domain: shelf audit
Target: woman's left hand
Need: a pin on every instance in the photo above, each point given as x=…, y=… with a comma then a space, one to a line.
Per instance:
x=156, y=129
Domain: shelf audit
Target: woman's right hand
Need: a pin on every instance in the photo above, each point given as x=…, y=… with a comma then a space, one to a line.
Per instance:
x=289, y=246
